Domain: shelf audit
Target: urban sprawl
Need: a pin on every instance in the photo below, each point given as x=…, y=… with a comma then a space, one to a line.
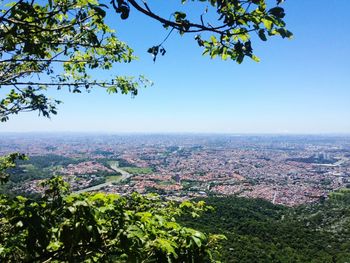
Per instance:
x=288, y=170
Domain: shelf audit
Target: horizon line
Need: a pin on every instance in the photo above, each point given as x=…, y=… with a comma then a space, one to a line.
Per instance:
x=182, y=133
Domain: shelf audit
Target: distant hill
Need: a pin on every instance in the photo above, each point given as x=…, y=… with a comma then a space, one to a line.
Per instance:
x=258, y=231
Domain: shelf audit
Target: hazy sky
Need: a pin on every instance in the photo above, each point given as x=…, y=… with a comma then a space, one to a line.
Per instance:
x=300, y=85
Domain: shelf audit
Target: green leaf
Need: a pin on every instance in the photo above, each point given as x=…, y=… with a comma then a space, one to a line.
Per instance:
x=267, y=23
x=240, y=58
x=262, y=35
x=277, y=12
x=255, y=58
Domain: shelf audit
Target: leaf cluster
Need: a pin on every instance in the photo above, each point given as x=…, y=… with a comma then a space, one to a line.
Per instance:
x=99, y=228
x=229, y=36
x=64, y=40
x=8, y=162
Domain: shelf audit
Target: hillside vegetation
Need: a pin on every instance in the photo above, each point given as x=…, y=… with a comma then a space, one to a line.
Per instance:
x=99, y=227
x=258, y=231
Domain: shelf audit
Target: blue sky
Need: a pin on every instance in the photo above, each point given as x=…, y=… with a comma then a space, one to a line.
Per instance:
x=300, y=85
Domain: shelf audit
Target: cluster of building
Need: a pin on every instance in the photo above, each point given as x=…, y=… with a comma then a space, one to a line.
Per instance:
x=84, y=168
x=288, y=170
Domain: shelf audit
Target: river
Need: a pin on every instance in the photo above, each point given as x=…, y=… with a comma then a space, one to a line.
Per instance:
x=114, y=165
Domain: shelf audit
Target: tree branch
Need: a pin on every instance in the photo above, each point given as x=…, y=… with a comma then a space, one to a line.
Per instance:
x=173, y=24
x=57, y=84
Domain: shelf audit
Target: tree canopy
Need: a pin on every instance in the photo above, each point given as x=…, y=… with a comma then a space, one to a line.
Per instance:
x=58, y=43
x=99, y=228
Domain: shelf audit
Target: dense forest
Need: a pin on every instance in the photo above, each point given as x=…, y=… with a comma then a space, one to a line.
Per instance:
x=258, y=231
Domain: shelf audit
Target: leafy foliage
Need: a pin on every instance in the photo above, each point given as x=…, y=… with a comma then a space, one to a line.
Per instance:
x=59, y=43
x=7, y=162
x=258, y=231
x=64, y=40
x=229, y=36
x=99, y=227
